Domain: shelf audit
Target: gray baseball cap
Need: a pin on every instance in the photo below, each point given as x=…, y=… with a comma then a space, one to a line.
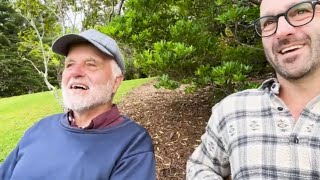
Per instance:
x=102, y=41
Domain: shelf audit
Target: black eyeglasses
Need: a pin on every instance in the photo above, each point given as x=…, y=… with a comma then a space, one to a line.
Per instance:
x=298, y=15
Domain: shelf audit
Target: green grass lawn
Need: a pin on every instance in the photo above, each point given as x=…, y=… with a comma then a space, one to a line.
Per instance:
x=18, y=113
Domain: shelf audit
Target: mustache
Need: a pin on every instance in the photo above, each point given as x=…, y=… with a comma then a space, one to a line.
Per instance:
x=76, y=81
x=285, y=41
x=288, y=40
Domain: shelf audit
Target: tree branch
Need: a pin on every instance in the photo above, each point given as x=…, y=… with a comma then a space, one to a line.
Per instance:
x=120, y=7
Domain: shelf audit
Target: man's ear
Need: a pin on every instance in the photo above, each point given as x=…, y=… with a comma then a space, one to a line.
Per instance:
x=117, y=83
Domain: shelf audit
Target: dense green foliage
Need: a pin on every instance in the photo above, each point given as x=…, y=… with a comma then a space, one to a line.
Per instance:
x=172, y=39
x=41, y=22
x=17, y=76
x=20, y=112
x=179, y=38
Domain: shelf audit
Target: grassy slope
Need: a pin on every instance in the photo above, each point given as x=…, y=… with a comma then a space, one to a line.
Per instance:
x=20, y=112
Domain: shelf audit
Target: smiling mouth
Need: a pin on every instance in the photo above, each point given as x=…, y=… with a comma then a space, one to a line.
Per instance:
x=290, y=49
x=79, y=86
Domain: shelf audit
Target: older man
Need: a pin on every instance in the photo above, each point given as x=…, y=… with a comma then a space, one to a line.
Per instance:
x=272, y=132
x=92, y=140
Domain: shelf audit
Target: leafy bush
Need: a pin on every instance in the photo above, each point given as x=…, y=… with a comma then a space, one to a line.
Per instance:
x=166, y=57
x=165, y=82
x=242, y=54
x=228, y=78
x=192, y=41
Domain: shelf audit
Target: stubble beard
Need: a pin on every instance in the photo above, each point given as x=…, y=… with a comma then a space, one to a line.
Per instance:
x=98, y=95
x=312, y=62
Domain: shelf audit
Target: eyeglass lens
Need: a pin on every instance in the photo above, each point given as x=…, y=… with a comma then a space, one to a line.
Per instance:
x=298, y=15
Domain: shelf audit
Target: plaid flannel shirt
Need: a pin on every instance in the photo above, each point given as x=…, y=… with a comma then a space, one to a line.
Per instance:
x=252, y=135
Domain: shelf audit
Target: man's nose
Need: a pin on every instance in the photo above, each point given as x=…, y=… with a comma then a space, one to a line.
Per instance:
x=284, y=28
x=77, y=70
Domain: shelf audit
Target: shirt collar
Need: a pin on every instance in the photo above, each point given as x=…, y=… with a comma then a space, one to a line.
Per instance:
x=271, y=84
x=106, y=119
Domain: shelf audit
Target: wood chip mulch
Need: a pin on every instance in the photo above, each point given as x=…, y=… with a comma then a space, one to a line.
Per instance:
x=175, y=120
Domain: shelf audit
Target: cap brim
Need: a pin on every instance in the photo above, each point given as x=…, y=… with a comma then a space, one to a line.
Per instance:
x=103, y=42
x=61, y=45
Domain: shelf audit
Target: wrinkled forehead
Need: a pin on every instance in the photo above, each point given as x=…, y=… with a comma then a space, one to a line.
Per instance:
x=274, y=7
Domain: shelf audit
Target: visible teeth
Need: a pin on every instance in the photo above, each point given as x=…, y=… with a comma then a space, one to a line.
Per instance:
x=79, y=87
x=291, y=48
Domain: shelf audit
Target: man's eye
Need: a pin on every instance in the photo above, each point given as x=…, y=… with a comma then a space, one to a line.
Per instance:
x=302, y=11
x=299, y=12
x=68, y=65
x=268, y=23
x=91, y=65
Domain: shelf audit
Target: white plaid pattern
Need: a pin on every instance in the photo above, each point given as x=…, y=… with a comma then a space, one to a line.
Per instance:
x=252, y=135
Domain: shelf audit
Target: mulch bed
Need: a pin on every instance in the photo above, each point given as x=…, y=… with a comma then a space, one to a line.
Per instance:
x=175, y=120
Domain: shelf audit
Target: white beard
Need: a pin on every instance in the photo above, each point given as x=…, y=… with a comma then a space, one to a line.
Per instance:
x=96, y=95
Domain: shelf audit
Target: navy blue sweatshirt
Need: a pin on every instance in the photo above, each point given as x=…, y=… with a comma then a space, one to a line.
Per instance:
x=53, y=150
